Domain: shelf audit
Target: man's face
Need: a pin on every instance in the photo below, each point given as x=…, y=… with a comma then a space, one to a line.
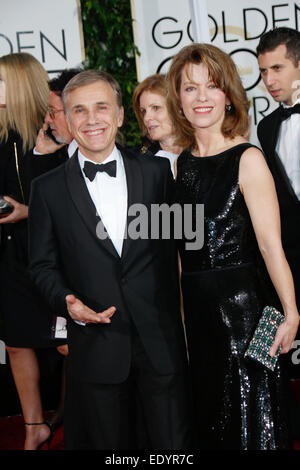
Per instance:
x=56, y=119
x=280, y=75
x=94, y=118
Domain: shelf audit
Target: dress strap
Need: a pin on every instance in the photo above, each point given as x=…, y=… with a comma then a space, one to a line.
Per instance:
x=247, y=145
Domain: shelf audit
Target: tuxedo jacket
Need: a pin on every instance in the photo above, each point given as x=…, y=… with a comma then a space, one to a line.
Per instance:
x=45, y=162
x=66, y=256
x=267, y=131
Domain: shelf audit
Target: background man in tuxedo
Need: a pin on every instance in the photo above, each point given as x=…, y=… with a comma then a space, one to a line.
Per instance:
x=54, y=140
x=120, y=295
x=279, y=133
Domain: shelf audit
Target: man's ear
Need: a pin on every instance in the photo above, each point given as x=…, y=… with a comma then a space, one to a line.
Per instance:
x=121, y=116
x=68, y=123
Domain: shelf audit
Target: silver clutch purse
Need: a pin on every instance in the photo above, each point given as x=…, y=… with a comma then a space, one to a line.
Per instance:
x=263, y=338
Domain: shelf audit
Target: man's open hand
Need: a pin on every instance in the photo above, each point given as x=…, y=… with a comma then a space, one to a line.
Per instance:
x=81, y=313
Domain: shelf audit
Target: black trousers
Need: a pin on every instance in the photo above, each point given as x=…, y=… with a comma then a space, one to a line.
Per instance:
x=148, y=410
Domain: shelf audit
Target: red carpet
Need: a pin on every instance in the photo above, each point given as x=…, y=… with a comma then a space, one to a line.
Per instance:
x=12, y=431
x=12, y=435
x=296, y=387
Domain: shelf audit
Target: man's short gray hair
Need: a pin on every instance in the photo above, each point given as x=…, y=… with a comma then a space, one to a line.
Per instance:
x=88, y=77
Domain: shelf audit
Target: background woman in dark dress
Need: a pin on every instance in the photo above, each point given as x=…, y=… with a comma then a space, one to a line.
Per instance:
x=238, y=404
x=150, y=106
x=27, y=321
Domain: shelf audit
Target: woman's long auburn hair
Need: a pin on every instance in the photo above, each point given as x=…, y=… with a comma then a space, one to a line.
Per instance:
x=224, y=75
x=27, y=92
x=156, y=84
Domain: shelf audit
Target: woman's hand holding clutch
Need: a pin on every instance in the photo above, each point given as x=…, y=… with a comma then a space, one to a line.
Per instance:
x=20, y=212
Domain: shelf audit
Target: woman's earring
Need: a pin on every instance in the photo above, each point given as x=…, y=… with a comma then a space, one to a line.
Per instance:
x=228, y=107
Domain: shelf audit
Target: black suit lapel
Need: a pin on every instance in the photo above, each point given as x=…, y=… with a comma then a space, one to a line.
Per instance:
x=275, y=163
x=270, y=135
x=281, y=171
x=271, y=139
x=274, y=131
x=84, y=203
x=134, y=179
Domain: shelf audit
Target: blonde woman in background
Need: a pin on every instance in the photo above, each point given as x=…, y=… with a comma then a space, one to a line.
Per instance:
x=27, y=320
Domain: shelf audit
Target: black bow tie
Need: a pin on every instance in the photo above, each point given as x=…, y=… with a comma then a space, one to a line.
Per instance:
x=285, y=113
x=90, y=169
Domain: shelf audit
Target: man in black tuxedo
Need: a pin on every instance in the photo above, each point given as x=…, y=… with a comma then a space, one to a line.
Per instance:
x=279, y=133
x=119, y=294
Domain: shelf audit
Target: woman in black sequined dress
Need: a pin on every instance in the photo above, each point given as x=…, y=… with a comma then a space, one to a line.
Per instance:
x=238, y=404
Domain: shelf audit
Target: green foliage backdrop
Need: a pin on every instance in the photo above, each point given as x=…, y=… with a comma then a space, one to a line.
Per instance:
x=109, y=46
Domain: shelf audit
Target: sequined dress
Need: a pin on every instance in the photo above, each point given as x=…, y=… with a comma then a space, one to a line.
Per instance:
x=238, y=404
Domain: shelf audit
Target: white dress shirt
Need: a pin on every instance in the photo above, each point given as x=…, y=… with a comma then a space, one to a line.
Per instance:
x=288, y=149
x=72, y=147
x=109, y=196
x=172, y=157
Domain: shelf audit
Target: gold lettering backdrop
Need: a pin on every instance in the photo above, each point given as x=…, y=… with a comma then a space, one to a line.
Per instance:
x=49, y=30
x=162, y=28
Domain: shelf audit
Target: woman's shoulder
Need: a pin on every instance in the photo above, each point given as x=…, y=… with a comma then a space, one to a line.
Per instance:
x=11, y=136
x=241, y=148
x=253, y=165
x=150, y=149
x=9, y=143
x=252, y=154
